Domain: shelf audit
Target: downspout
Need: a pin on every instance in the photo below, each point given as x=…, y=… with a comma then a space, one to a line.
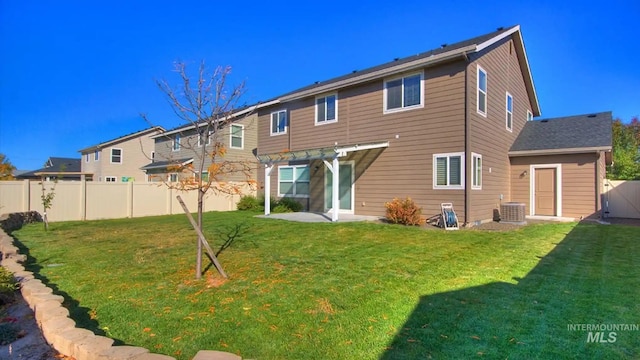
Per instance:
x=467, y=145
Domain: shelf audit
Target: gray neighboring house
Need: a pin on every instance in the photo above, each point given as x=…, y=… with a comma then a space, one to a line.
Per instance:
x=178, y=150
x=565, y=159
x=60, y=168
x=120, y=159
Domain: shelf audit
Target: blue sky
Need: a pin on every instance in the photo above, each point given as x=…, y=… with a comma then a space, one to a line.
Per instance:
x=77, y=73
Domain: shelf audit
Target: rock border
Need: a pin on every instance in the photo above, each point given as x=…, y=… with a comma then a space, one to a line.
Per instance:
x=58, y=329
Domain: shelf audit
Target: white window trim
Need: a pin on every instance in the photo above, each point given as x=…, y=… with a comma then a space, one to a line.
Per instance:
x=153, y=156
x=507, y=112
x=403, y=108
x=462, y=171
x=121, y=156
x=286, y=120
x=106, y=179
x=324, y=122
x=96, y=155
x=241, y=136
x=280, y=194
x=200, y=139
x=171, y=175
x=486, y=98
x=532, y=186
x=176, y=141
x=86, y=157
x=475, y=156
x=529, y=115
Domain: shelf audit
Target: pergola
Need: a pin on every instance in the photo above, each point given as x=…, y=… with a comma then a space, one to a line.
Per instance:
x=328, y=155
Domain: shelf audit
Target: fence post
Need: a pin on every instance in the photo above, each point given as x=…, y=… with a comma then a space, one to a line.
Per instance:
x=83, y=197
x=26, y=195
x=130, y=199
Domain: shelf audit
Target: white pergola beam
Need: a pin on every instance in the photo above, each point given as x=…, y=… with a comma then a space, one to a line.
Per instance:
x=267, y=188
x=335, y=193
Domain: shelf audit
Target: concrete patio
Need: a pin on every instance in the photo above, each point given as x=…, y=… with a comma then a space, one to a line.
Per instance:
x=318, y=217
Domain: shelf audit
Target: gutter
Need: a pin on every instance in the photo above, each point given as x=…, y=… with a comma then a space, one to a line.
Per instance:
x=583, y=150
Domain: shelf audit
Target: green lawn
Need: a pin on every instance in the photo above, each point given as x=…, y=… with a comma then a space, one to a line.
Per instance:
x=346, y=291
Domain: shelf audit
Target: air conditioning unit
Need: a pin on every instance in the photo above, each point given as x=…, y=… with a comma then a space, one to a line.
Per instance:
x=513, y=212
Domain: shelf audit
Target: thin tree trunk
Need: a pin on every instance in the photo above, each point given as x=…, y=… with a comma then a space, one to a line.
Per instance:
x=199, y=254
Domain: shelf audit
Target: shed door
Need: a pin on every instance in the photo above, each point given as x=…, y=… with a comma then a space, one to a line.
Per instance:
x=545, y=188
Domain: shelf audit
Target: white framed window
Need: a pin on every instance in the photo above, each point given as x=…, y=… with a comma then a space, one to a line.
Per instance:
x=153, y=156
x=110, y=179
x=509, y=112
x=448, y=171
x=208, y=139
x=476, y=168
x=175, y=146
x=279, y=122
x=96, y=155
x=481, y=100
x=86, y=157
x=404, y=93
x=529, y=115
x=173, y=177
x=236, y=134
x=293, y=181
x=116, y=156
x=326, y=109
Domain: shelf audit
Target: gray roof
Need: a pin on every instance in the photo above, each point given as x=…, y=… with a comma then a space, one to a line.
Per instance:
x=166, y=164
x=122, y=138
x=58, y=165
x=571, y=133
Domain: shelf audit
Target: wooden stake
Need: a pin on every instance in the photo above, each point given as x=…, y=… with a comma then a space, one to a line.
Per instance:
x=203, y=241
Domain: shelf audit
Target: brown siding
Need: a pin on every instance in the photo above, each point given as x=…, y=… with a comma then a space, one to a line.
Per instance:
x=488, y=135
x=402, y=169
x=579, y=184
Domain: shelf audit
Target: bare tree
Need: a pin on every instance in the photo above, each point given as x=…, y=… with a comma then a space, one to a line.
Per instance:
x=206, y=104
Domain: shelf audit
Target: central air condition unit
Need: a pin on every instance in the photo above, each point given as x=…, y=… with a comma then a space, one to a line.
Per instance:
x=513, y=212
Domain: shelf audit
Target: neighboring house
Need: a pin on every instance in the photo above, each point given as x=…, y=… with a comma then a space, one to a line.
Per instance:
x=436, y=127
x=120, y=159
x=558, y=165
x=55, y=168
x=179, y=149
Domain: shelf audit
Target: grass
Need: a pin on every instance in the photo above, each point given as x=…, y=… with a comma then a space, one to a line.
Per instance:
x=347, y=291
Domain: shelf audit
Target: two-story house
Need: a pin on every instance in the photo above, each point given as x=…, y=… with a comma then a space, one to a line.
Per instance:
x=120, y=159
x=436, y=127
x=180, y=152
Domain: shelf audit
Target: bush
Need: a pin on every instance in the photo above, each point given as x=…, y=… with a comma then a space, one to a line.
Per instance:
x=280, y=209
x=290, y=204
x=8, y=286
x=404, y=212
x=249, y=202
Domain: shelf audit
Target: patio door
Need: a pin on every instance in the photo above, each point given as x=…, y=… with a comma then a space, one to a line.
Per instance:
x=345, y=188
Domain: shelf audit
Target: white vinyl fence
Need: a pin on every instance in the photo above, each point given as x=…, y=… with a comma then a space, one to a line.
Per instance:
x=87, y=200
x=622, y=198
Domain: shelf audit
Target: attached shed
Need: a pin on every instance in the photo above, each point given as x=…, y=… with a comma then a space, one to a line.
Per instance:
x=558, y=165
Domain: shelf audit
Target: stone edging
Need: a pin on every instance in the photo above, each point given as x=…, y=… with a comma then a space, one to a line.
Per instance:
x=58, y=329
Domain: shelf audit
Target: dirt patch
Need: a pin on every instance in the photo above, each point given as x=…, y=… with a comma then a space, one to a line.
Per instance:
x=31, y=345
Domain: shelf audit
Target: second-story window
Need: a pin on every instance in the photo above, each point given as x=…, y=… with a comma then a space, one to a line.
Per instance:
x=153, y=156
x=96, y=155
x=529, y=115
x=403, y=93
x=509, y=112
x=116, y=156
x=279, y=122
x=326, y=109
x=176, y=143
x=482, y=92
x=86, y=157
x=237, y=136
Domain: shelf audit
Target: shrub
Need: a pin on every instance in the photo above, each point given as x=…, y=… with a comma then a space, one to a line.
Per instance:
x=249, y=202
x=8, y=286
x=280, y=209
x=9, y=332
x=404, y=212
x=291, y=204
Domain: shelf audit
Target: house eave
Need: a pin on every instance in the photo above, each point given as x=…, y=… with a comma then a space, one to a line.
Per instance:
x=583, y=150
x=411, y=65
x=233, y=115
x=120, y=139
